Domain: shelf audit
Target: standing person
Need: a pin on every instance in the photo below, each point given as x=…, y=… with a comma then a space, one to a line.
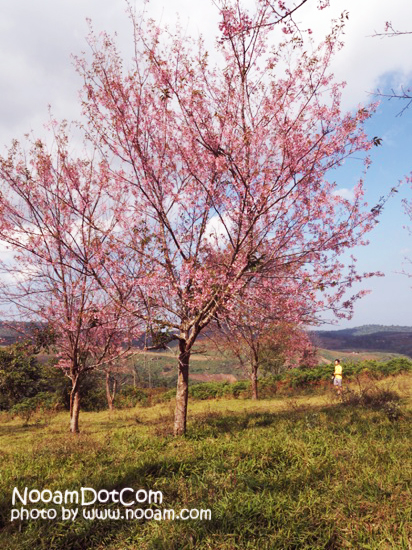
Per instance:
x=337, y=376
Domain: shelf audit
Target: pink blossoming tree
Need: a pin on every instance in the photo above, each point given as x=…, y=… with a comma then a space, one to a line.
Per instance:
x=48, y=204
x=264, y=326
x=225, y=161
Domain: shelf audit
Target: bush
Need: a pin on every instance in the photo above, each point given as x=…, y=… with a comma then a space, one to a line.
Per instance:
x=20, y=376
x=392, y=410
x=164, y=397
x=212, y=390
x=93, y=399
x=129, y=397
x=240, y=389
x=43, y=405
x=208, y=390
x=303, y=377
x=268, y=386
x=379, y=399
x=376, y=398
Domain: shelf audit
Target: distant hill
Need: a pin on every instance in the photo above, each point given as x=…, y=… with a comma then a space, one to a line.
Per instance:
x=11, y=332
x=393, y=339
x=372, y=329
x=359, y=343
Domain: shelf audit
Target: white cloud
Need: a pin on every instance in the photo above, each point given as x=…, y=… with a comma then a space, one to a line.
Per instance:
x=345, y=193
x=364, y=60
x=39, y=37
x=216, y=232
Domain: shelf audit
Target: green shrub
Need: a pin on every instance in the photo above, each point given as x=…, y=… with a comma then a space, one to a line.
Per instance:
x=93, y=399
x=240, y=389
x=392, y=410
x=129, y=397
x=379, y=399
x=43, y=405
x=20, y=376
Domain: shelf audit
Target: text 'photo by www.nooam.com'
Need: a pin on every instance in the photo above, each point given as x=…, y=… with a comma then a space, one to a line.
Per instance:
x=132, y=505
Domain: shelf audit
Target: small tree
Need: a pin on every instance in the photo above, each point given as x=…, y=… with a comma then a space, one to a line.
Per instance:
x=49, y=203
x=287, y=346
x=115, y=375
x=270, y=347
x=263, y=327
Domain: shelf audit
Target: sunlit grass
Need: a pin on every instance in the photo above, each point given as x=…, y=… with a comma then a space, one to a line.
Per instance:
x=298, y=471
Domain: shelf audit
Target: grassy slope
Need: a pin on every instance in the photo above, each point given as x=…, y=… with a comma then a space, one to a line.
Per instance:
x=287, y=473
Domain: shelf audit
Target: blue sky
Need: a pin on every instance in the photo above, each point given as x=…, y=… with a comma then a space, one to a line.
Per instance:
x=37, y=39
x=390, y=301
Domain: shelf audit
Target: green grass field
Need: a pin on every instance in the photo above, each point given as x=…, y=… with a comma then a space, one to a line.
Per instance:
x=303, y=471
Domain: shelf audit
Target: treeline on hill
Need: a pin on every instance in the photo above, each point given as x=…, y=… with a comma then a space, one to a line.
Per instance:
x=396, y=339
x=31, y=384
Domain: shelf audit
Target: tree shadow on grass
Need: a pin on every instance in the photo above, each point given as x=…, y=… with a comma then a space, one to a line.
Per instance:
x=213, y=424
x=12, y=429
x=243, y=522
x=83, y=533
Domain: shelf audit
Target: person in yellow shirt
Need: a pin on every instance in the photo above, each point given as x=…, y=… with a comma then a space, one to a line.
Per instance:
x=337, y=376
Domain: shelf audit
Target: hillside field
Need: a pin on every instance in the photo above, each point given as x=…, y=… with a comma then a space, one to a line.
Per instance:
x=209, y=364
x=295, y=471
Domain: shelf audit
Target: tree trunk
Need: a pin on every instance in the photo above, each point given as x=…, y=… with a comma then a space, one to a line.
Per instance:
x=110, y=394
x=254, y=381
x=74, y=407
x=182, y=391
